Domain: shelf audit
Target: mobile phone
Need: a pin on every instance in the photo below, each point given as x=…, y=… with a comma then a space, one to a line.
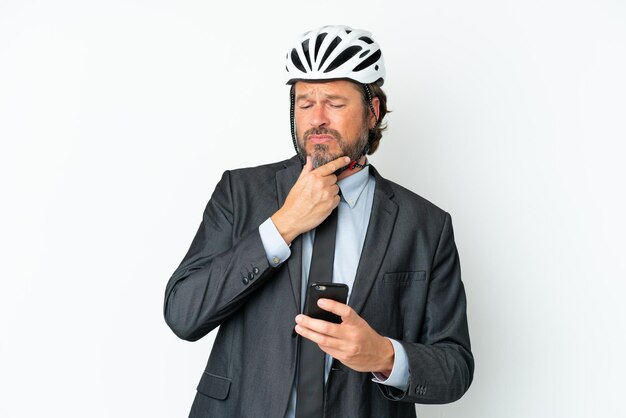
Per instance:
x=318, y=290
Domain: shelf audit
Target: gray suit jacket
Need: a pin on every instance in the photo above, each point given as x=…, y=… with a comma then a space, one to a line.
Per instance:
x=408, y=287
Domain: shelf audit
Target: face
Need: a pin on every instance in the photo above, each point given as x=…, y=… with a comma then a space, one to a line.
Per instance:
x=331, y=120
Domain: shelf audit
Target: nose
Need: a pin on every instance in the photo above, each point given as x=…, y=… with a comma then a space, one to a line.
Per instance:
x=319, y=116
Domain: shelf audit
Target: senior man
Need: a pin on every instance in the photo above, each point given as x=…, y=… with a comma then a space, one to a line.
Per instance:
x=402, y=337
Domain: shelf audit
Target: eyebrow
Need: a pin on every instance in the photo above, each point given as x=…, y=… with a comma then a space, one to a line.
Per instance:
x=306, y=96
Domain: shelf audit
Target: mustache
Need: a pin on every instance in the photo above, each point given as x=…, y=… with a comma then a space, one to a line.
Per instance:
x=322, y=131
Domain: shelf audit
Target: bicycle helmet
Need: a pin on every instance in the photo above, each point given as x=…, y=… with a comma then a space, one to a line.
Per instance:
x=334, y=52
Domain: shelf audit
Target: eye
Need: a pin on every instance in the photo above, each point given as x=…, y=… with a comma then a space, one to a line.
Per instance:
x=337, y=106
x=305, y=106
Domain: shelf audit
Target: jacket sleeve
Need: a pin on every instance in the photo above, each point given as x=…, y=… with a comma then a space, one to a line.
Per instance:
x=218, y=273
x=441, y=364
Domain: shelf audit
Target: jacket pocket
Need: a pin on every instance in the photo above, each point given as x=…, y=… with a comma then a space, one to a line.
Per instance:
x=404, y=278
x=214, y=386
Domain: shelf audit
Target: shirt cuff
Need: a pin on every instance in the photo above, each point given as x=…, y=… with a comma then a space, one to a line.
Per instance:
x=276, y=249
x=399, y=377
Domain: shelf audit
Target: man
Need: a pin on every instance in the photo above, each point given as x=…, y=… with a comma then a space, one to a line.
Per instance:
x=403, y=336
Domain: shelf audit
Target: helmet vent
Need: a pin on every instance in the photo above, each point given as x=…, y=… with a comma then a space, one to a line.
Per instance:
x=371, y=60
x=318, y=43
x=305, y=48
x=343, y=57
x=296, y=60
x=366, y=40
x=330, y=49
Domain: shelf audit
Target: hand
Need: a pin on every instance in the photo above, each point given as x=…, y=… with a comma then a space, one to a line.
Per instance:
x=353, y=342
x=310, y=200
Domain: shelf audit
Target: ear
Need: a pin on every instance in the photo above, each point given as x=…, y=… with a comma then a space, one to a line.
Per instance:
x=376, y=106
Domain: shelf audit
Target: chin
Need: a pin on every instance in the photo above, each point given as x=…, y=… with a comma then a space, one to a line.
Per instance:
x=319, y=159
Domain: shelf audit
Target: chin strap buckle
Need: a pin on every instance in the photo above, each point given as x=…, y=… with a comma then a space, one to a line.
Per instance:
x=354, y=165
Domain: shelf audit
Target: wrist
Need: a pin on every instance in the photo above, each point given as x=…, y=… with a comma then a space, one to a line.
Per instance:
x=287, y=231
x=387, y=358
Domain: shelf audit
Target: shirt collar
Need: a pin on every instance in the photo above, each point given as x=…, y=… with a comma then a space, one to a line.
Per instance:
x=352, y=186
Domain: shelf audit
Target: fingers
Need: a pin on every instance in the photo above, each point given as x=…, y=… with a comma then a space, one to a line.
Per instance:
x=319, y=326
x=327, y=170
x=331, y=167
x=318, y=331
x=346, y=313
x=324, y=341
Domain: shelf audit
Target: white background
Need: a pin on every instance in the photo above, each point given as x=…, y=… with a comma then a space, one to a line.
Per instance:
x=117, y=119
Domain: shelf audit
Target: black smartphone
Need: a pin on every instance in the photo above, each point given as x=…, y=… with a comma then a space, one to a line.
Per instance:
x=319, y=290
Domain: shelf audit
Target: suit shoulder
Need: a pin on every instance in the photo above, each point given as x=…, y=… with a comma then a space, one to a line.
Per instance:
x=409, y=199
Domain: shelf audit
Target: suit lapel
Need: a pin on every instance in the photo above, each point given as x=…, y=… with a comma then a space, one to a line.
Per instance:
x=285, y=179
x=379, y=230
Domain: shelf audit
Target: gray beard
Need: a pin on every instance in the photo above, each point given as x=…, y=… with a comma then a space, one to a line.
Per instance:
x=321, y=155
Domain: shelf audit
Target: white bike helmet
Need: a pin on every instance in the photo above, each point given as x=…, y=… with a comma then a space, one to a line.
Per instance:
x=336, y=52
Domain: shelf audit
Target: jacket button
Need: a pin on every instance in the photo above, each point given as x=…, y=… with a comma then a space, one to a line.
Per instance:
x=244, y=280
x=250, y=276
x=255, y=270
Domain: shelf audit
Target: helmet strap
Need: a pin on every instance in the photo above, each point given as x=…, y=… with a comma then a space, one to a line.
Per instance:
x=292, y=105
